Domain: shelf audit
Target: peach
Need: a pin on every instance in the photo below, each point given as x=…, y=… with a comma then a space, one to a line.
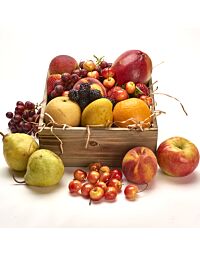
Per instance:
x=62, y=64
x=139, y=165
x=94, y=83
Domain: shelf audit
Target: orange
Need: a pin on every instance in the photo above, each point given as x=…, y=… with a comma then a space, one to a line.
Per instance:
x=132, y=111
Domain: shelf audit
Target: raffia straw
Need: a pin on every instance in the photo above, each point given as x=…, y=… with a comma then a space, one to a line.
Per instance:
x=61, y=143
x=158, y=93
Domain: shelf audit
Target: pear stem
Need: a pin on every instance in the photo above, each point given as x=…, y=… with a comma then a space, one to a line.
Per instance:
x=20, y=182
x=2, y=134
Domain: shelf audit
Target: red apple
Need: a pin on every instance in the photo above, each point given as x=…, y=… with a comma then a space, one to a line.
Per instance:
x=109, y=82
x=85, y=189
x=177, y=156
x=96, y=193
x=117, y=93
x=94, y=84
x=110, y=193
x=131, y=191
x=93, y=176
x=62, y=64
x=107, y=72
x=139, y=165
x=132, y=65
x=93, y=74
x=130, y=87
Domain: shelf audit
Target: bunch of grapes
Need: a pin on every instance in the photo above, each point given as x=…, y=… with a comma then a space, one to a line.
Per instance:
x=24, y=119
x=85, y=95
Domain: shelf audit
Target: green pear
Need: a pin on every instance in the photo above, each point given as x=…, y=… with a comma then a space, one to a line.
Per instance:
x=44, y=168
x=17, y=148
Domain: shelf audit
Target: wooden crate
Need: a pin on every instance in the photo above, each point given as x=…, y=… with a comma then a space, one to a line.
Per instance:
x=107, y=145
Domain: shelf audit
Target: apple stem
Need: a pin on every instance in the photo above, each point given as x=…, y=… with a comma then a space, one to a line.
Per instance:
x=20, y=182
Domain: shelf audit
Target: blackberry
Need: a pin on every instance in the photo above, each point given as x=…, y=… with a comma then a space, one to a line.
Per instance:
x=84, y=90
x=74, y=95
x=83, y=103
x=95, y=94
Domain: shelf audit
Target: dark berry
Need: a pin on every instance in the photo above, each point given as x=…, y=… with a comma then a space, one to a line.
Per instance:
x=9, y=115
x=95, y=94
x=74, y=95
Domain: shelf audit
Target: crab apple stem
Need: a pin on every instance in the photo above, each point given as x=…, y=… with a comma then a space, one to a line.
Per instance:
x=20, y=182
x=2, y=134
x=145, y=187
x=90, y=202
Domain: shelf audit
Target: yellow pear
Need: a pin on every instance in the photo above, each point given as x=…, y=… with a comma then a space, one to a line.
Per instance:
x=99, y=112
x=44, y=168
x=17, y=148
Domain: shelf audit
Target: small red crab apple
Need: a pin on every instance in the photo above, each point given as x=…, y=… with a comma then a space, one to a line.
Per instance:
x=104, y=169
x=104, y=177
x=93, y=74
x=80, y=175
x=96, y=193
x=147, y=99
x=89, y=65
x=116, y=174
x=74, y=186
x=107, y=72
x=130, y=87
x=110, y=193
x=102, y=185
x=109, y=82
x=93, y=176
x=115, y=183
x=131, y=191
x=85, y=189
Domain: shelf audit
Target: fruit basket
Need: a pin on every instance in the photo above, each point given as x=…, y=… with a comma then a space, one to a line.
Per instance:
x=79, y=146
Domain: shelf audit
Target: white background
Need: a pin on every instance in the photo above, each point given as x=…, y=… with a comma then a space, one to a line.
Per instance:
x=33, y=32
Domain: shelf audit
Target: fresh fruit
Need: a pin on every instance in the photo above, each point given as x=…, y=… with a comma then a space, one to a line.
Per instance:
x=104, y=169
x=117, y=93
x=105, y=176
x=110, y=193
x=85, y=189
x=115, y=183
x=131, y=191
x=116, y=174
x=132, y=111
x=89, y=65
x=141, y=89
x=80, y=175
x=62, y=110
x=139, y=165
x=74, y=186
x=51, y=79
x=96, y=193
x=107, y=72
x=17, y=148
x=62, y=64
x=132, y=65
x=93, y=74
x=99, y=112
x=109, y=82
x=177, y=156
x=147, y=99
x=44, y=168
x=93, y=176
x=130, y=87
x=94, y=166
x=102, y=185
x=25, y=118
x=94, y=84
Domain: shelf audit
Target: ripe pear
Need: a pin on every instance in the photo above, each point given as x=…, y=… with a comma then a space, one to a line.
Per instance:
x=17, y=148
x=44, y=168
x=99, y=112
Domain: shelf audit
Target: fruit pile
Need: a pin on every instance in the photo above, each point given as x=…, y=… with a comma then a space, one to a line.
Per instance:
x=108, y=94
x=100, y=182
